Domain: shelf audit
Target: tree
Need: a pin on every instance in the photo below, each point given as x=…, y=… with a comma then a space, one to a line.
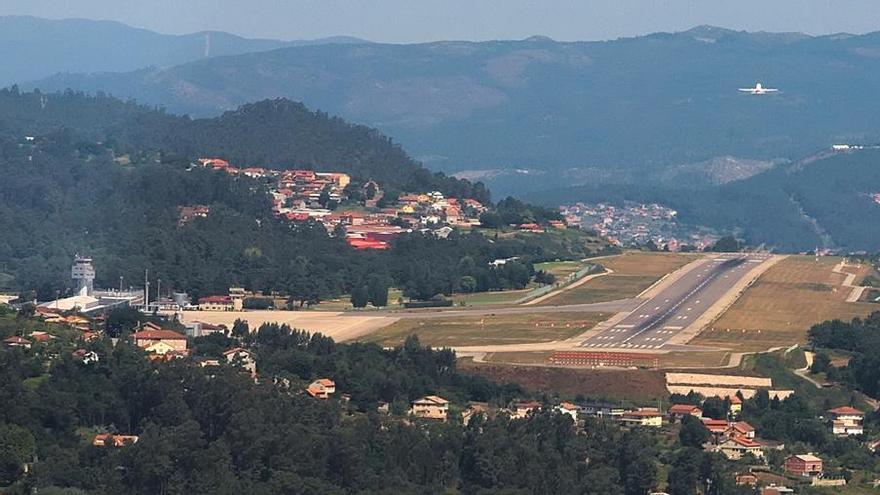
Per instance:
x=17, y=446
x=359, y=296
x=716, y=407
x=377, y=291
x=545, y=278
x=240, y=328
x=692, y=432
x=821, y=363
x=467, y=283
x=684, y=477
x=727, y=244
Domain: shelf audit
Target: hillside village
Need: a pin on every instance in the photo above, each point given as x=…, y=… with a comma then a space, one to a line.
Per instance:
x=638, y=224
x=370, y=218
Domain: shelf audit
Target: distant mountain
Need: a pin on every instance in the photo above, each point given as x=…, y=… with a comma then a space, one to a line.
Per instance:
x=825, y=200
x=615, y=108
x=33, y=48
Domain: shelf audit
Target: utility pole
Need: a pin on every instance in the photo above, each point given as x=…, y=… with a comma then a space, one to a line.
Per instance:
x=147, y=290
x=158, y=290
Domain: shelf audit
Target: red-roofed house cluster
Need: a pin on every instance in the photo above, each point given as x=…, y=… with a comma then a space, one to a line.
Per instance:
x=304, y=195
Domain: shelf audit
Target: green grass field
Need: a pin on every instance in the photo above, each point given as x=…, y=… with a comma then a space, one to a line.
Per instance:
x=560, y=269
x=633, y=273
x=488, y=330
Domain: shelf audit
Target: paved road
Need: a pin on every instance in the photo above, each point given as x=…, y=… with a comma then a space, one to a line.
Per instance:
x=660, y=318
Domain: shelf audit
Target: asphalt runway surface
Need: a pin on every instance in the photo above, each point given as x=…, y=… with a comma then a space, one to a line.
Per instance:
x=660, y=318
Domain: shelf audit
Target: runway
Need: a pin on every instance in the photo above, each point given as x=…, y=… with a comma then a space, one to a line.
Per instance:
x=654, y=322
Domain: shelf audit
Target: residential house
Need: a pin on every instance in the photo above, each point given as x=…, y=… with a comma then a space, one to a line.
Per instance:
x=474, y=409
x=742, y=429
x=603, y=410
x=846, y=421
x=677, y=412
x=569, y=409
x=41, y=337
x=16, y=341
x=717, y=427
x=806, y=465
x=736, y=448
x=243, y=358
x=430, y=407
x=748, y=479
x=648, y=417
x=160, y=341
x=108, y=440
x=736, y=406
x=216, y=303
x=522, y=409
x=322, y=388
x=86, y=356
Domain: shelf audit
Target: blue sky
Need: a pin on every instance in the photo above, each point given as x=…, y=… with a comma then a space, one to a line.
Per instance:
x=427, y=20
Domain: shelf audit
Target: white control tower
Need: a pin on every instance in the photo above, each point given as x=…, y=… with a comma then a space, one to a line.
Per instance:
x=83, y=273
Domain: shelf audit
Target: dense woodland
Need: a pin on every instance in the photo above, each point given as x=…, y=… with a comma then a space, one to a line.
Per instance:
x=65, y=193
x=213, y=430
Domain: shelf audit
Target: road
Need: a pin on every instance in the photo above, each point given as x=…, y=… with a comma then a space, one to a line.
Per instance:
x=657, y=320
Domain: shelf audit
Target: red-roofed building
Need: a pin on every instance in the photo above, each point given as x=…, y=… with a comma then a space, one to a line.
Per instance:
x=322, y=388
x=216, y=303
x=736, y=447
x=742, y=429
x=643, y=417
x=16, y=341
x=531, y=227
x=717, y=427
x=806, y=465
x=160, y=341
x=679, y=411
x=603, y=359
x=736, y=405
x=846, y=421
x=363, y=244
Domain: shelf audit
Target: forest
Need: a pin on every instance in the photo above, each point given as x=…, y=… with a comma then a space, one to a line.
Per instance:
x=213, y=430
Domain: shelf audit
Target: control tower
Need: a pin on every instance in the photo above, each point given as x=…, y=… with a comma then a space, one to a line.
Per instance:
x=83, y=273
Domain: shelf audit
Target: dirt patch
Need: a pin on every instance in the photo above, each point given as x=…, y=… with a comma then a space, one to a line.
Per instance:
x=638, y=385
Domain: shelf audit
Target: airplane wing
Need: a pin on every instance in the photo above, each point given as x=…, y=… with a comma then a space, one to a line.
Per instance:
x=747, y=90
x=771, y=90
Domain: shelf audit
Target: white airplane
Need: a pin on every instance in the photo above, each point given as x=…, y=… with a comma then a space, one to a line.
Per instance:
x=758, y=90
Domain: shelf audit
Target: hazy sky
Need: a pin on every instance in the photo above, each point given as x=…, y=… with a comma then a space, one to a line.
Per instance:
x=425, y=20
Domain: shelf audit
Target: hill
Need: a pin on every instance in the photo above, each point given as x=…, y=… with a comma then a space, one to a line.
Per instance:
x=277, y=134
x=34, y=48
x=99, y=176
x=570, y=113
x=822, y=201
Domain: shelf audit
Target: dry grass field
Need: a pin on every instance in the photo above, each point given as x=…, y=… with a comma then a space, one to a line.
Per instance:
x=779, y=308
x=488, y=330
x=633, y=273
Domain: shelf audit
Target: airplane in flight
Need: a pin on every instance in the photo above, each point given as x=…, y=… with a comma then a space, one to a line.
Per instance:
x=758, y=90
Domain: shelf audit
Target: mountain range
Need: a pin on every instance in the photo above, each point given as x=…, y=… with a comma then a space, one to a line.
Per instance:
x=537, y=113
x=34, y=48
